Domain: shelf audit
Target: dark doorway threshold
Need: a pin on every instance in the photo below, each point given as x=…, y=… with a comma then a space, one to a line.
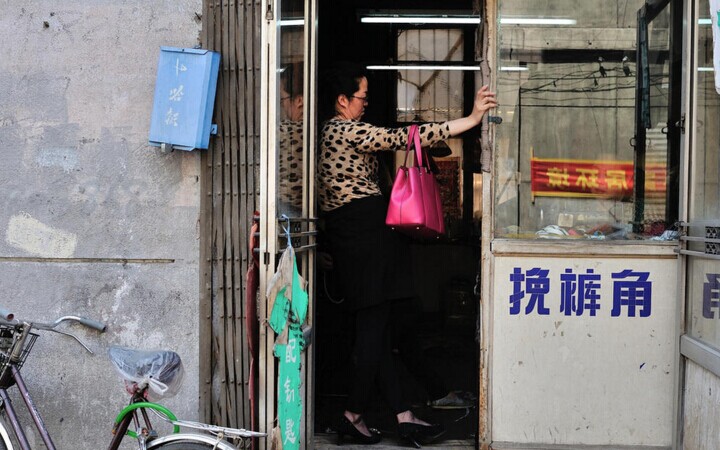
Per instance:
x=327, y=442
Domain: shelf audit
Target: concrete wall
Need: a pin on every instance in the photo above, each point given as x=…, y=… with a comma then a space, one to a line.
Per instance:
x=80, y=191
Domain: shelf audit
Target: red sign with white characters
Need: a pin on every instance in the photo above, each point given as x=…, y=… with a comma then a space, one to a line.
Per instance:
x=592, y=178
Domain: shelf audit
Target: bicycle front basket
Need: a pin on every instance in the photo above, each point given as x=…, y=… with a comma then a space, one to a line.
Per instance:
x=8, y=340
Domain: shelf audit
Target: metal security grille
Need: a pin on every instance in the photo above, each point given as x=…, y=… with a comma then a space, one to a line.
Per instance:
x=712, y=248
x=700, y=238
x=230, y=195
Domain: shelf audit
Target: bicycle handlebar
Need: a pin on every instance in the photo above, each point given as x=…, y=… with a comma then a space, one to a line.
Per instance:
x=94, y=324
x=7, y=317
x=6, y=314
x=99, y=326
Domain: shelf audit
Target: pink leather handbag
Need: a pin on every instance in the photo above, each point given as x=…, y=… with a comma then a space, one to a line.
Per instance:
x=415, y=207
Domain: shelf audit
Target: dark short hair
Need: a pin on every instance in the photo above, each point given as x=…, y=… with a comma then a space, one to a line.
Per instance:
x=342, y=78
x=291, y=78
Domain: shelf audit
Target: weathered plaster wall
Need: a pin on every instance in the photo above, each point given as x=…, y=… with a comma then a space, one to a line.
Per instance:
x=701, y=414
x=80, y=190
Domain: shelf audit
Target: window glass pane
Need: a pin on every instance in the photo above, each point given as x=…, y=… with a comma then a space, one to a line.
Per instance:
x=651, y=210
x=291, y=101
x=703, y=283
x=565, y=160
x=430, y=95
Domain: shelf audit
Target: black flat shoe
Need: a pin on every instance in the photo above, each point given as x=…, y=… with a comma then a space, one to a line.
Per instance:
x=418, y=435
x=345, y=427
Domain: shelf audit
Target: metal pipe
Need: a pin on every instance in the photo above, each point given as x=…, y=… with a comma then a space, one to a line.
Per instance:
x=119, y=432
x=17, y=428
x=698, y=254
x=31, y=407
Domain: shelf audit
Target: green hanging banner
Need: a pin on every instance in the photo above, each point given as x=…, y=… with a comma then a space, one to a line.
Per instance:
x=288, y=312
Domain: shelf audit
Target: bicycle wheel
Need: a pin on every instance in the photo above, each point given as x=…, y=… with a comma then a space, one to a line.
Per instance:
x=189, y=441
x=5, y=442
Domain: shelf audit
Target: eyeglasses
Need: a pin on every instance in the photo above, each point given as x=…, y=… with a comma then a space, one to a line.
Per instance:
x=365, y=99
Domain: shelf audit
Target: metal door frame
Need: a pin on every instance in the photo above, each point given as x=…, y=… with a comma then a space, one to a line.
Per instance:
x=270, y=246
x=691, y=348
x=678, y=145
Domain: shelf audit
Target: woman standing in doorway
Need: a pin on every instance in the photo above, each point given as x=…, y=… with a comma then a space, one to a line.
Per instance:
x=370, y=259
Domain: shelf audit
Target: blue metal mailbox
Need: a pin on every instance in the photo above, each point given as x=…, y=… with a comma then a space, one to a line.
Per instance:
x=184, y=98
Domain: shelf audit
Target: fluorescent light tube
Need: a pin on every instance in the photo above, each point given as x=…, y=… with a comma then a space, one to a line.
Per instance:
x=408, y=67
x=513, y=69
x=706, y=69
x=705, y=21
x=535, y=21
x=292, y=22
x=421, y=20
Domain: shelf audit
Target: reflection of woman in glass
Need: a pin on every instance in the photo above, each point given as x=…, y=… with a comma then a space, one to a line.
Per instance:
x=371, y=260
x=290, y=136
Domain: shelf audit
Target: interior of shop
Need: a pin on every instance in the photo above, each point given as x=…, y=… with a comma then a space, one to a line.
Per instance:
x=436, y=335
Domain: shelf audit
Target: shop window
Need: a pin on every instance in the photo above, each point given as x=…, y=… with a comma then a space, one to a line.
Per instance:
x=572, y=148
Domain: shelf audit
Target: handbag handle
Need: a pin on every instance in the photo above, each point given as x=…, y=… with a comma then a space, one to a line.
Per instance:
x=418, y=148
x=414, y=140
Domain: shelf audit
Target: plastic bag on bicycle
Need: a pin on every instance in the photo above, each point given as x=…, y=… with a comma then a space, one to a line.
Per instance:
x=160, y=371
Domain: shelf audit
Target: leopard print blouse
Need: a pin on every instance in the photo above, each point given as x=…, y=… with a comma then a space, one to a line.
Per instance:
x=290, y=164
x=347, y=166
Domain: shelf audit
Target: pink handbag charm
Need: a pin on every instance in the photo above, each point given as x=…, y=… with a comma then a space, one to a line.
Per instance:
x=415, y=207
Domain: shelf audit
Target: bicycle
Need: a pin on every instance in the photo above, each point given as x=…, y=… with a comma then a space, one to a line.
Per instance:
x=144, y=372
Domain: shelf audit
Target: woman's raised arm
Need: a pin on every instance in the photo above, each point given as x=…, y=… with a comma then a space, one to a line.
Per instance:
x=484, y=101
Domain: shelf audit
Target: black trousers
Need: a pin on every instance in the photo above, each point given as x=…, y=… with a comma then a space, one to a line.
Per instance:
x=405, y=325
x=374, y=362
x=372, y=262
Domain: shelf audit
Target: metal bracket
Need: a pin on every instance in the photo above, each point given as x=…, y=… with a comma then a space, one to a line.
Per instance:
x=681, y=123
x=495, y=119
x=166, y=148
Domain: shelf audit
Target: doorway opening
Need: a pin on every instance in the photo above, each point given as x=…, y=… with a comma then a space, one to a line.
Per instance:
x=435, y=334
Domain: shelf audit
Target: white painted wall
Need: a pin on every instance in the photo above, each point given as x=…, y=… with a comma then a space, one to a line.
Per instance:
x=78, y=181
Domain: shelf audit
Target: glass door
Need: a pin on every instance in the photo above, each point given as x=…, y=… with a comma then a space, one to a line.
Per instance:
x=287, y=213
x=701, y=238
x=657, y=114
